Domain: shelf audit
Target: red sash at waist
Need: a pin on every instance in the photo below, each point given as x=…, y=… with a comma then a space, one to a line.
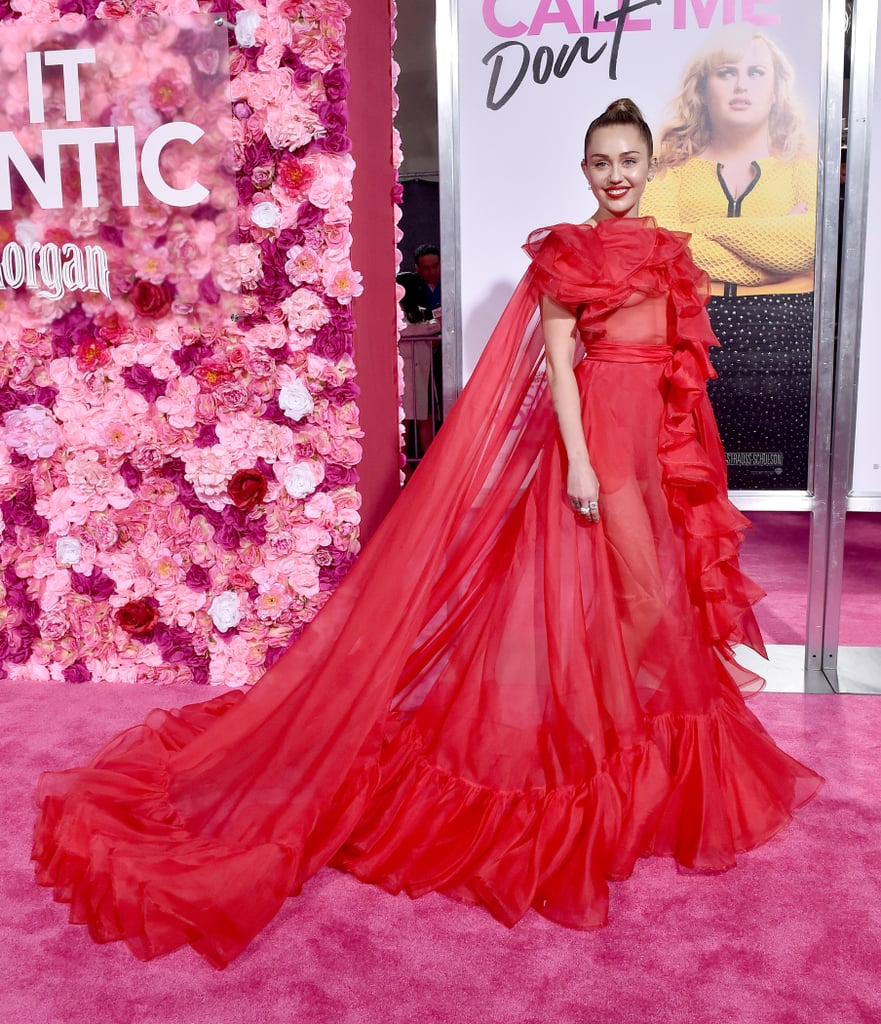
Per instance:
x=627, y=352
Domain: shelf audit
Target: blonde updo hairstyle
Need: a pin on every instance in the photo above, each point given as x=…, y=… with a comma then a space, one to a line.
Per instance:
x=689, y=132
x=621, y=112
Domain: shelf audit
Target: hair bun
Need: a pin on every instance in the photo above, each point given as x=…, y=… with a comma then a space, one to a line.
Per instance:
x=625, y=105
x=622, y=111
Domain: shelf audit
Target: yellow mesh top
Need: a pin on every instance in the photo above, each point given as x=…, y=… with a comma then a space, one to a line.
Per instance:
x=766, y=246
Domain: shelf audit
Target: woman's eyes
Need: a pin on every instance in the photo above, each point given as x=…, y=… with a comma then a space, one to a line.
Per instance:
x=600, y=164
x=731, y=72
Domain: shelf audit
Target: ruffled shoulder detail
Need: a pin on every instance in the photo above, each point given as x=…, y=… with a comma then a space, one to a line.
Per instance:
x=601, y=266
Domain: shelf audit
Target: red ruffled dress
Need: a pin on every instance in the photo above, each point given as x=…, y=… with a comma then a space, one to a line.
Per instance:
x=502, y=702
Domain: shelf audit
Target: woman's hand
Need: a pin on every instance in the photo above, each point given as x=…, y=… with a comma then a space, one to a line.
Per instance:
x=801, y=207
x=583, y=489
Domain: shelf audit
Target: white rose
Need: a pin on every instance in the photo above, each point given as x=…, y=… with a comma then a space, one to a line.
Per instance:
x=295, y=400
x=299, y=480
x=246, y=27
x=224, y=611
x=68, y=551
x=266, y=215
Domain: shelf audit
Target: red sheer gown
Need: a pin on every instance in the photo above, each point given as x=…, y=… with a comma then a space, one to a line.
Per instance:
x=502, y=702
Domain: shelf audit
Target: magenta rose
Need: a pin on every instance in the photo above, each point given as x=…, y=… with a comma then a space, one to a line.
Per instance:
x=247, y=489
x=138, y=617
x=76, y=673
x=198, y=578
x=151, y=300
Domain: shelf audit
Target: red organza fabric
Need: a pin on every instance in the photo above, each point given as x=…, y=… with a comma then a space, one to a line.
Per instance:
x=502, y=702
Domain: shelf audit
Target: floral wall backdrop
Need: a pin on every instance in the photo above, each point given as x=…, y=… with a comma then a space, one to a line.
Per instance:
x=178, y=486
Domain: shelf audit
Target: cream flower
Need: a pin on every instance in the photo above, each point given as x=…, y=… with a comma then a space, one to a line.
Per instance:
x=68, y=550
x=295, y=400
x=225, y=611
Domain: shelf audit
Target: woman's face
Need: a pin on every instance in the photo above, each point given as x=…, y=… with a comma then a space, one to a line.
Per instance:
x=617, y=165
x=739, y=93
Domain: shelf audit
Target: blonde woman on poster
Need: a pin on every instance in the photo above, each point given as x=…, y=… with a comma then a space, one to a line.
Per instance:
x=736, y=171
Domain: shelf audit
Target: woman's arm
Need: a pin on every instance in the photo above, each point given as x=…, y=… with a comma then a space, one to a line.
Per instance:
x=663, y=201
x=558, y=324
x=772, y=240
x=781, y=246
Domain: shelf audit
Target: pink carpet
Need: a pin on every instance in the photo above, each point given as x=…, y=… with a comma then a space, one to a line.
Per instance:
x=775, y=554
x=793, y=934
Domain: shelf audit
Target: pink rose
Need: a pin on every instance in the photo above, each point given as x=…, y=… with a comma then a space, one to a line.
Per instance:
x=157, y=492
x=31, y=340
x=305, y=310
x=279, y=545
x=287, y=129
x=169, y=91
x=93, y=484
x=261, y=364
x=205, y=407
x=21, y=367
x=237, y=355
x=303, y=265
x=177, y=404
x=294, y=177
x=209, y=471
x=275, y=315
x=239, y=266
x=104, y=530
x=229, y=663
x=109, y=9
x=119, y=436
x=32, y=431
x=272, y=603
x=148, y=459
x=271, y=335
x=337, y=235
x=341, y=282
x=232, y=395
x=54, y=625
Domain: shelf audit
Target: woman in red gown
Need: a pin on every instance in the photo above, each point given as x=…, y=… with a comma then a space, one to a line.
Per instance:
x=524, y=684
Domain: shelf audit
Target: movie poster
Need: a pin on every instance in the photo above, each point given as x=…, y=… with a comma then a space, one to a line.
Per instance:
x=731, y=90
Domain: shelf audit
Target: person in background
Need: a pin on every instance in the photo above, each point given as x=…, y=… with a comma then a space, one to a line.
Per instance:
x=735, y=171
x=428, y=267
x=423, y=363
x=422, y=286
